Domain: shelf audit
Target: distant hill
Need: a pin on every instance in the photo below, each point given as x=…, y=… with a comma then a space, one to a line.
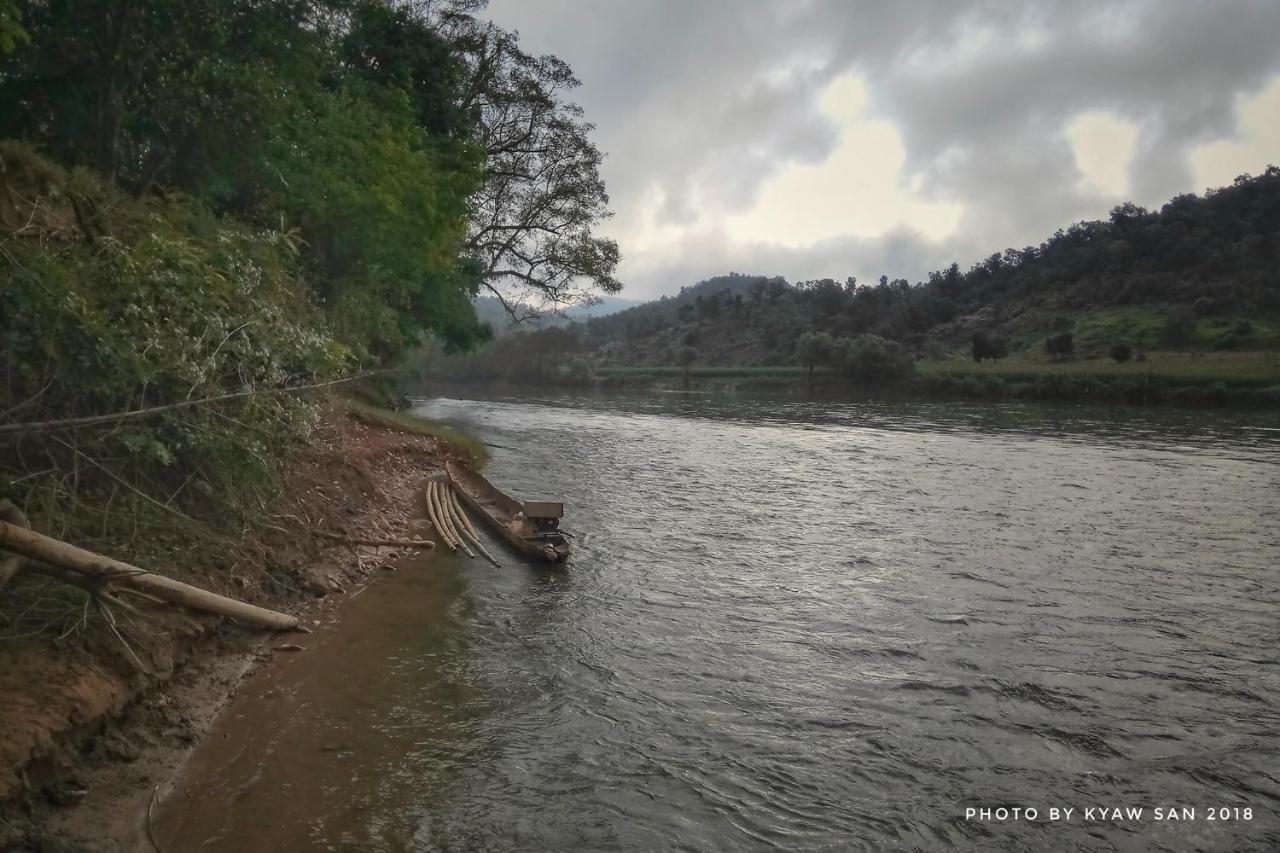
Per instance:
x=1201, y=273
x=490, y=310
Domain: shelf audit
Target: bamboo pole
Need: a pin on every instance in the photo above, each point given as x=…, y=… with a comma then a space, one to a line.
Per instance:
x=466, y=526
x=442, y=496
x=46, y=549
x=428, y=495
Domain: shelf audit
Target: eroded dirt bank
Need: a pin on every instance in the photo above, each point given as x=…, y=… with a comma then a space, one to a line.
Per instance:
x=91, y=724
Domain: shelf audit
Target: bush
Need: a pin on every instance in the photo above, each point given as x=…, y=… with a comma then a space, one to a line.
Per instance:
x=1060, y=346
x=985, y=346
x=1121, y=353
x=872, y=360
x=1227, y=341
x=170, y=304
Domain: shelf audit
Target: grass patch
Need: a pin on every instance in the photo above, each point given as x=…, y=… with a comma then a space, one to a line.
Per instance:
x=469, y=445
x=1139, y=326
x=1233, y=369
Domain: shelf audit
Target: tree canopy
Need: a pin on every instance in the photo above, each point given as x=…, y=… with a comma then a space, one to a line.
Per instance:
x=421, y=153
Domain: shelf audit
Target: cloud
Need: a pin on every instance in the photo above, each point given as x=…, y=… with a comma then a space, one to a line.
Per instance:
x=1103, y=144
x=1255, y=145
x=861, y=138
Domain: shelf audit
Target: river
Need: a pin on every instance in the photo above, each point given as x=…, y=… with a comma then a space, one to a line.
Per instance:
x=797, y=625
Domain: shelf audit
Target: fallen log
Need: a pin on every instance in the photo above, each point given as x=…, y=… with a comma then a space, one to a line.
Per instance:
x=36, y=546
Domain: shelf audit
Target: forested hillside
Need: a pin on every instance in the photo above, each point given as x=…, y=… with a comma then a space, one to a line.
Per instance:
x=203, y=198
x=1201, y=272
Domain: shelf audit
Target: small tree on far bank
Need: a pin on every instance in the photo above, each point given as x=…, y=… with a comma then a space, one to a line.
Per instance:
x=1121, y=353
x=1061, y=346
x=815, y=348
x=985, y=346
x=873, y=361
x=685, y=357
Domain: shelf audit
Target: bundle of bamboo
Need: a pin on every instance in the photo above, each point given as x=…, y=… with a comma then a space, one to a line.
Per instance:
x=451, y=522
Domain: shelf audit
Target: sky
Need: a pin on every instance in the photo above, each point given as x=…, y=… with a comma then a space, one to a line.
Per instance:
x=815, y=139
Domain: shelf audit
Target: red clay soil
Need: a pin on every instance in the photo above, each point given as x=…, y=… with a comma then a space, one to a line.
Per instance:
x=94, y=718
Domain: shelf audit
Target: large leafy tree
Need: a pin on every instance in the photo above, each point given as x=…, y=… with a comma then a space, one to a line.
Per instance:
x=151, y=92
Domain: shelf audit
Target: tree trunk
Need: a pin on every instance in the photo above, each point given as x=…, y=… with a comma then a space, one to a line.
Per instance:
x=48, y=550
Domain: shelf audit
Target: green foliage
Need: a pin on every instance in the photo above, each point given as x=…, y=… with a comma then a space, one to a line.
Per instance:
x=984, y=346
x=872, y=360
x=174, y=304
x=382, y=216
x=11, y=32
x=1060, y=346
x=816, y=348
x=1120, y=353
x=1173, y=369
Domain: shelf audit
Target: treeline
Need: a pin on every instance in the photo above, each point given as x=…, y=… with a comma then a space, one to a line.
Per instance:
x=200, y=196
x=1201, y=270
x=1213, y=255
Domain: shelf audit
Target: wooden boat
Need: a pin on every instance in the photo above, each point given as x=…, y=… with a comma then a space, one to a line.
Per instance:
x=532, y=527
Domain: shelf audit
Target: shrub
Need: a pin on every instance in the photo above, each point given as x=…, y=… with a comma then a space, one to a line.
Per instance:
x=985, y=346
x=1227, y=341
x=1060, y=346
x=164, y=303
x=1121, y=353
x=872, y=360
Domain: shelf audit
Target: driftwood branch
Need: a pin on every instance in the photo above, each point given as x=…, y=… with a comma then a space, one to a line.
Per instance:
x=90, y=420
x=36, y=546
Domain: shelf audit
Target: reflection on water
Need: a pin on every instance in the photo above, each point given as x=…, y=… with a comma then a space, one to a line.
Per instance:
x=797, y=625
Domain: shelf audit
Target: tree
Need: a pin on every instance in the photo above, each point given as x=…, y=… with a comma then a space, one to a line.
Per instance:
x=535, y=217
x=11, y=32
x=985, y=346
x=814, y=348
x=1060, y=346
x=1121, y=353
x=874, y=361
x=685, y=357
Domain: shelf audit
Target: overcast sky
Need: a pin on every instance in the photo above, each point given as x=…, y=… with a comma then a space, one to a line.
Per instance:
x=825, y=139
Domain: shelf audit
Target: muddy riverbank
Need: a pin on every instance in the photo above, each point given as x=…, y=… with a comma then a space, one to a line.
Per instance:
x=88, y=732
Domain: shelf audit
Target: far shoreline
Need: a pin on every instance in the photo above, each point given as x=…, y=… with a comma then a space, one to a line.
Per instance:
x=956, y=383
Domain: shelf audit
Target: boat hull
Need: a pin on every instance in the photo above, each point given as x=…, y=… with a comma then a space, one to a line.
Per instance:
x=498, y=510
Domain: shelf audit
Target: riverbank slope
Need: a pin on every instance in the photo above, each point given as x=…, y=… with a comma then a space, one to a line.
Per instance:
x=93, y=721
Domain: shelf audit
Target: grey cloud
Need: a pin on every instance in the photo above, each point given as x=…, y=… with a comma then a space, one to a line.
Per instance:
x=693, y=100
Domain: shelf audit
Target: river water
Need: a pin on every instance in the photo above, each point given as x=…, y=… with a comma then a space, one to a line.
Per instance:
x=797, y=625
